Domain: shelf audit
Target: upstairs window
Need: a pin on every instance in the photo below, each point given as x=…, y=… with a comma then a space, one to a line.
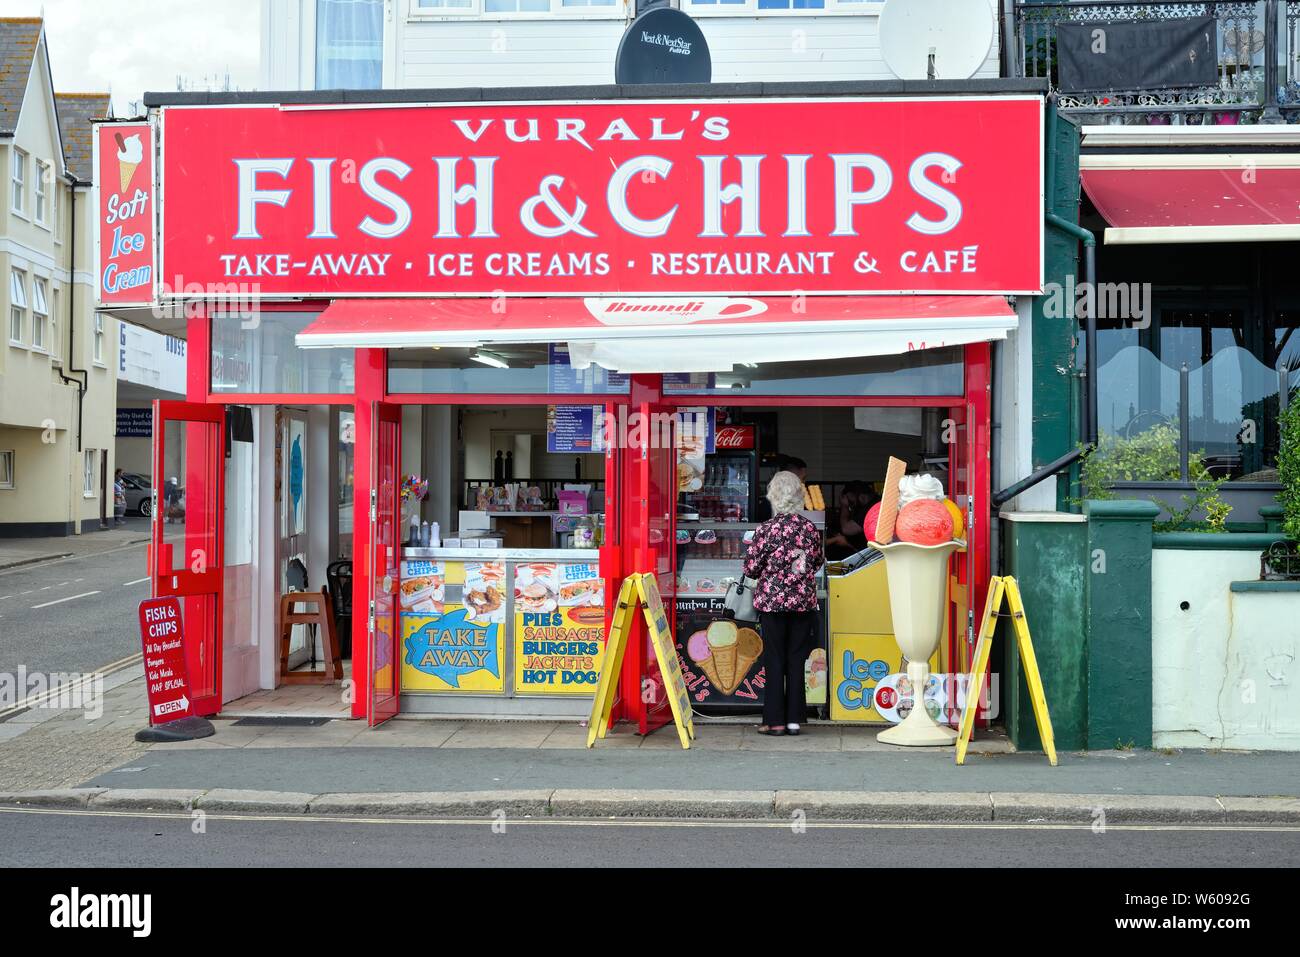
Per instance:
x=19, y=200
x=40, y=314
x=42, y=192
x=349, y=44
x=17, y=307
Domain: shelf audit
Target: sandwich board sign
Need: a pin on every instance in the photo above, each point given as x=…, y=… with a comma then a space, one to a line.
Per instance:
x=999, y=588
x=640, y=591
x=162, y=634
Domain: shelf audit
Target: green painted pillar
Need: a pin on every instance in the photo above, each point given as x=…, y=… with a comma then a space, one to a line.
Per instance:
x=1273, y=517
x=1045, y=555
x=1117, y=571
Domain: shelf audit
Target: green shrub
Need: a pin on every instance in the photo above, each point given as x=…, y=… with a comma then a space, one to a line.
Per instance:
x=1152, y=456
x=1288, y=468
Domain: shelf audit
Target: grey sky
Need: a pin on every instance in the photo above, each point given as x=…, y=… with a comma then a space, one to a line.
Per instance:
x=129, y=46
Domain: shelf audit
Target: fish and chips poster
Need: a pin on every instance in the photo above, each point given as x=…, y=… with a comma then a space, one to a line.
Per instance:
x=559, y=632
x=453, y=620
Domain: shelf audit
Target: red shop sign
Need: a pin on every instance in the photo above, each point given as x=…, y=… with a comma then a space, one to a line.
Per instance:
x=162, y=631
x=680, y=197
x=734, y=437
x=124, y=235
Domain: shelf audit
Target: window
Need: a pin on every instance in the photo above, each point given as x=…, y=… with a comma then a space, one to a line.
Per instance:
x=42, y=192
x=99, y=338
x=54, y=212
x=40, y=314
x=88, y=459
x=349, y=44
x=17, y=307
x=20, y=182
x=735, y=8
x=6, y=468
x=568, y=9
x=54, y=323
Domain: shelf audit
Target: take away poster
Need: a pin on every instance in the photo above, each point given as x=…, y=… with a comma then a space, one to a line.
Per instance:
x=455, y=644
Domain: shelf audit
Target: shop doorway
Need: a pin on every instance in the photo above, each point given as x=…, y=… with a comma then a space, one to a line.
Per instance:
x=185, y=552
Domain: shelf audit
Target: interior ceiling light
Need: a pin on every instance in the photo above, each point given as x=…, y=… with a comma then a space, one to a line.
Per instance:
x=488, y=359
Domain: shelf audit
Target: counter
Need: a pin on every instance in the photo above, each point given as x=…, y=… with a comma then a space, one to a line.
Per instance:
x=501, y=622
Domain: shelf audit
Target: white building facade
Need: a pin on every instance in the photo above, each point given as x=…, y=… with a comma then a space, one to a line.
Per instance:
x=435, y=44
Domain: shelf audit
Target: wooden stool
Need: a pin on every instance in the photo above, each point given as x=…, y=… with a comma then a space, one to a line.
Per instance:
x=321, y=614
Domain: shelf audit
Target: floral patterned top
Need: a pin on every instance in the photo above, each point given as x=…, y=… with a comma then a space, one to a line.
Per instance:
x=784, y=557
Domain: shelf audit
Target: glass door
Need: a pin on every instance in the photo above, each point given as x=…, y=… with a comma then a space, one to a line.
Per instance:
x=657, y=519
x=384, y=631
x=185, y=553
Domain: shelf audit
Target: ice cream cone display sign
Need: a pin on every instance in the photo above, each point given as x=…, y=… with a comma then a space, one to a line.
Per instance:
x=1005, y=589
x=725, y=652
x=124, y=237
x=918, y=595
x=641, y=591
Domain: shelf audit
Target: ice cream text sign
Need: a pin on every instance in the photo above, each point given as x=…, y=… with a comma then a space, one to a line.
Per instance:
x=124, y=236
x=679, y=197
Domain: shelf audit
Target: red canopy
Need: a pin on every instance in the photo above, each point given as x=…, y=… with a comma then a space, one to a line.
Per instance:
x=1235, y=202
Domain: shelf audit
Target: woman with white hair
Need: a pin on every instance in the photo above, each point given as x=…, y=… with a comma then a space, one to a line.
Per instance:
x=784, y=557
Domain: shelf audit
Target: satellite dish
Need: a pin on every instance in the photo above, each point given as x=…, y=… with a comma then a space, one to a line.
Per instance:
x=936, y=39
x=663, y=45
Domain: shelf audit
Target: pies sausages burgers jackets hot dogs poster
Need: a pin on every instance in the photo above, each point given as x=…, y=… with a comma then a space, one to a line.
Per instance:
x=454, y=627
x=559, y=632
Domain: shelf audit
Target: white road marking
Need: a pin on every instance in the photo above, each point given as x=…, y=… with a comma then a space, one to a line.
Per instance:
x=60, y=601
x=136, y=582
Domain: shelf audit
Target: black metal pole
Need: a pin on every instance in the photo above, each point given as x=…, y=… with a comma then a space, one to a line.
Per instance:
x=1271, y=113
x=1184, y=426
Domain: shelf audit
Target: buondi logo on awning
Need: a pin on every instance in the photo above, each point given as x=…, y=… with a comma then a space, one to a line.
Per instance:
x=671, y=312
x=678, y=198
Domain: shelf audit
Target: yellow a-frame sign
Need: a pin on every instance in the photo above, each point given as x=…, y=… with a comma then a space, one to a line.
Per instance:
x=640, y=590
x=1000, y=587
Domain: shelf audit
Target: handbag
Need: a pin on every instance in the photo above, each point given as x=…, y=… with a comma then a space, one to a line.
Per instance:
x=739, y=600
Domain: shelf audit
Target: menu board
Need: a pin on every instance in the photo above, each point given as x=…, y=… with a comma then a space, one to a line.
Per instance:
x=559, y=627
x=563, y=379
x=453, y=622
x=575, y=428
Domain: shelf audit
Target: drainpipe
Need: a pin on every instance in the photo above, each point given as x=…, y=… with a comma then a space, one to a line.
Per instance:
x=83, y=383
x=1089, y=241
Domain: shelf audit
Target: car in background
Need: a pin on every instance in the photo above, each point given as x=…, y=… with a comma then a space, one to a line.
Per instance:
x=139, y=493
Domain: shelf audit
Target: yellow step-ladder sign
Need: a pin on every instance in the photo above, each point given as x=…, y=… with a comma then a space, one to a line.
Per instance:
x=640, y=591
x=1000, y=588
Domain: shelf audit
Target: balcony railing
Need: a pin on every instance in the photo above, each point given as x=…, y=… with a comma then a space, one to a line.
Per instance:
x=1258, y=69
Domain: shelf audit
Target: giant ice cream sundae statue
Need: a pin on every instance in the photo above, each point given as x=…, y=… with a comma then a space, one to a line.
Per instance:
x=915, y=528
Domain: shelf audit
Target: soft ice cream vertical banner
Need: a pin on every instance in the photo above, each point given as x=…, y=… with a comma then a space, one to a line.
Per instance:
x=125, y=235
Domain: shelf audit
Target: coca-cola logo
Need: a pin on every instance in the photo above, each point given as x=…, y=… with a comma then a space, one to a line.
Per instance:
x=734, y=437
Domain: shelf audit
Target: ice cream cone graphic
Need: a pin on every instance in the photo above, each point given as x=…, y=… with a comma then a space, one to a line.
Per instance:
x=710, y=669
x=749, y=648
x=722, y=642
x=130, y=154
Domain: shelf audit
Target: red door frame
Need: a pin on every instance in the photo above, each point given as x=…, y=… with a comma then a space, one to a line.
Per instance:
x=200, y=572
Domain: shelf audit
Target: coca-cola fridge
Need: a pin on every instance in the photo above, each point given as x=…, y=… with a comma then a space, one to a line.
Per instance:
x=727, y=489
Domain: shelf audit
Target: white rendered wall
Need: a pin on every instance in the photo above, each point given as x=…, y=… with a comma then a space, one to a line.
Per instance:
x=1224, y=671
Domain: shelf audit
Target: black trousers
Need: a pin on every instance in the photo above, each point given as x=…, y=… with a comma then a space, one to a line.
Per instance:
x=787, y=641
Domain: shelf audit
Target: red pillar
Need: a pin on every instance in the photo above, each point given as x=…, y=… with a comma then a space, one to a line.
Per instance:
x=370, y=388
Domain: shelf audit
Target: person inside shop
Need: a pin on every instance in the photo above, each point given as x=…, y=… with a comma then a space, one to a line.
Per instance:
x=855, y=500
x=786, y=463
x=784, y=557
